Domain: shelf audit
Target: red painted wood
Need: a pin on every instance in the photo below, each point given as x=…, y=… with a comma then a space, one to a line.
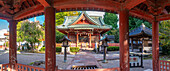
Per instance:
x=124, y=40
x=90, y=40
x=155, y=45
x=77, y=39
x=29, y=12
x=12, y=44
x=4, y=67
x=129, y=4
x=28, y=67
x=50, y=46
x=44, y=3
x=163, y=17
x=164, y=65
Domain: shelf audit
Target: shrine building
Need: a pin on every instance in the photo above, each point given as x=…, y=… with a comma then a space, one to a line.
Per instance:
x=84, y=30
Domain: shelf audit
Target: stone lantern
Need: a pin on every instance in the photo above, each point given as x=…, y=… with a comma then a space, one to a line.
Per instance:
x=105, y=41
x=65, y=41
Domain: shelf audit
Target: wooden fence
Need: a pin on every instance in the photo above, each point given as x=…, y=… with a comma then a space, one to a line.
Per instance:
x=164, y=65
x=22, y=67
x=4, y=67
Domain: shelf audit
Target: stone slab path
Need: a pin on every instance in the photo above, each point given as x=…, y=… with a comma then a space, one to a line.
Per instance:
x=84, y=59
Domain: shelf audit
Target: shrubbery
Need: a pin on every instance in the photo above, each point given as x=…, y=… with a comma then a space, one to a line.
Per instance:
x=42, y=49
x=112, y=48
x=58, y=49
x=74, y=49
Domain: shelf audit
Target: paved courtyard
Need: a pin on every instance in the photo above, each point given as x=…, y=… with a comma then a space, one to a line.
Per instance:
x=113, y=60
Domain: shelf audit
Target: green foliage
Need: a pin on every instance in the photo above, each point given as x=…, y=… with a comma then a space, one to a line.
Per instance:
x=134, y=23
x=60, y=16
x=74, y=49
x=164, y=37
x=58, y=49
x=42, y=49
x=59, y=35
x=60, y=20
x=30, y=32
x=112, y=48
x=6, y=43
x=112, y=19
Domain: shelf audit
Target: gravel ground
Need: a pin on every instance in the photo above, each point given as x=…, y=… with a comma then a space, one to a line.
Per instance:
x=26, y=58
x=115, y=63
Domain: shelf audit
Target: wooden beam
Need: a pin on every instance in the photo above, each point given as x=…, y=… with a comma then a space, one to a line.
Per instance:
x=90, y=5
x=129, y=4
x=5, y=17
x=44, y=3
x=141, y=14
x=29, y=11
x=163, y=17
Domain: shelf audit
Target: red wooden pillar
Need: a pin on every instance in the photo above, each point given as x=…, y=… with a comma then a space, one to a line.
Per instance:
x=155, y=45
x=90, y=41
x=124, y=40
x=77, y=40
x=50, y=46
x=12, y=45
x=99, y=37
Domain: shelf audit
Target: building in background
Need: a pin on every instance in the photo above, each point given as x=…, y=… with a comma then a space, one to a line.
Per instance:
x=84, y=30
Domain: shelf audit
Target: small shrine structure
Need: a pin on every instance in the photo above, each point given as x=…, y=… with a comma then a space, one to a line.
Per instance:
x=141, y=38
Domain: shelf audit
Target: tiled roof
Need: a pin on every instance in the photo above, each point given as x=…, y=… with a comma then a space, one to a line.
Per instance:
x=97, y=20
x=141, y=31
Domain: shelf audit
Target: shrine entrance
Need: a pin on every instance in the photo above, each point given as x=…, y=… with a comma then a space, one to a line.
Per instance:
x=84, y=30
x=84, y=41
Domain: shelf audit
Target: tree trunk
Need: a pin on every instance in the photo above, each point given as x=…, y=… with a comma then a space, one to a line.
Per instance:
x=32, y=46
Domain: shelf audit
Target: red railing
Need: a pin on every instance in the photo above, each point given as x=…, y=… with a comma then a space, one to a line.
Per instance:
x=4, y=67
x=164, y=65
x=22, y=67
x=107, y=69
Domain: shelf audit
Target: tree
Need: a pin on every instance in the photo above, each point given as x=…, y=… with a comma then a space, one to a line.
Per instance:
x=164, y=37
x=134, y=23
x=20, y=34
x=112, y=19
x=30, y=32
x=60, y=20
x=60, y=16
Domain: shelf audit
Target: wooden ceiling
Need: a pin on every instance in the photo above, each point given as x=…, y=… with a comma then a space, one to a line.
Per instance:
x=144, y=9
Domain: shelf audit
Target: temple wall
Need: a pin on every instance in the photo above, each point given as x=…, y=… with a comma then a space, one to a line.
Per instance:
x=72, y=38
x=95, y=39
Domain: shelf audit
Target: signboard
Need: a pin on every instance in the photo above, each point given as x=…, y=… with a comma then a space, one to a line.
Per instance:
x=134, y=59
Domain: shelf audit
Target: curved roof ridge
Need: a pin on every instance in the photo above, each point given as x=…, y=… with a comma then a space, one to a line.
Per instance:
x=139, y=29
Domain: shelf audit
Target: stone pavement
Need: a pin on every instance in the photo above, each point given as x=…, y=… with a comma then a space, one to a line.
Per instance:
x=84, y=59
